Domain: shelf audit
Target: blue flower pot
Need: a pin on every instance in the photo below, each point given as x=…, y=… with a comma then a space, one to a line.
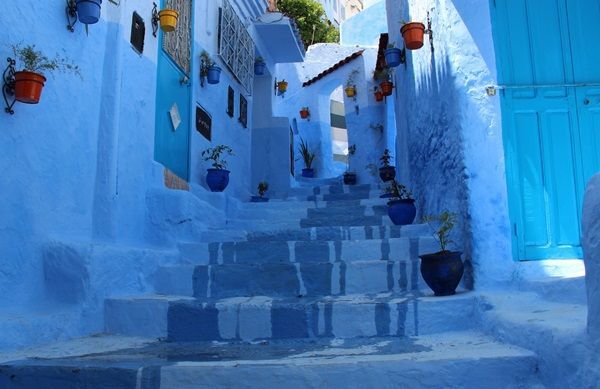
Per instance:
x=442, y=271
x=88, y=11
x=350, y=178
x=308, y=173
x=217, y=179
x=212, y=74
x=259, y=68
x=402, y=211
x=387, y=173
x=258, y=199
x=392, y=57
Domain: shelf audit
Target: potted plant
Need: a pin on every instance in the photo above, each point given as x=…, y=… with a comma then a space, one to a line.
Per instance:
x=378, y=94
x=217, y=178
x=263, y=187
x=88, y=11
x=30, y=80
x=393, y=56
x=413, y=34
x=304, y=113
x=282, y=87
x=350, y=88
x=401, y=206
x=209, y=69
x=386, y=171
x=308, y=157
x=442, y=271
x=168, y=19
x=385, y=83
x=259, y=66
x=350, y=177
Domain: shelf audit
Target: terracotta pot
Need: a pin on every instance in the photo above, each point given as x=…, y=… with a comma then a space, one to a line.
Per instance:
x=378, y=96
x=386, y=88
x=350, y=91
x=413, y=35
x=304, y=113
x=28, y=87
x=168, y=19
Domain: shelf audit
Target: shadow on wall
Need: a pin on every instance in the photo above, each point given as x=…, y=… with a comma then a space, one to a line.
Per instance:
x=436, y=149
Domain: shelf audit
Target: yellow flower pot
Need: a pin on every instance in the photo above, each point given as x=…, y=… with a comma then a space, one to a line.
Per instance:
x=350, y=91
x=168, y=19
x=282, y=86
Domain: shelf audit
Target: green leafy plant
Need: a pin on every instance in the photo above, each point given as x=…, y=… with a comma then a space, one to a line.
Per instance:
x=391, y=45
x=307, y=156
x=215, y=154
x=351, y=152
x=311, y=20
x=32, y=60
x=372, y=169
x=385, y=158
x=206, y=61
x=263, y=187
x=398, y=191
x=351, y=80
x=383, y=74
x=259, y=60
x=445, y=223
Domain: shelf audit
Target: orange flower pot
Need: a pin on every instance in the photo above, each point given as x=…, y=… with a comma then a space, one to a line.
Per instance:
x=350, y=91
x=304, y=113
x=378, y=96
x=413, y=35
x=168, y=20
x=28, y=87
x=282, y=86
x=386, y=88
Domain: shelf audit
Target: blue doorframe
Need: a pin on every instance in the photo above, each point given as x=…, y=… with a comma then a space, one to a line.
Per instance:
x=174, y=93
x=551, y=119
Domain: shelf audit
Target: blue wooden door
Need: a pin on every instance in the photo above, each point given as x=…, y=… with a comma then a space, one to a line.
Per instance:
x=173, y=93
x=550, y=118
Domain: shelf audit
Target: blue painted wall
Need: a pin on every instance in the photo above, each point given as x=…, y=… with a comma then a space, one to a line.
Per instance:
x=363, y=29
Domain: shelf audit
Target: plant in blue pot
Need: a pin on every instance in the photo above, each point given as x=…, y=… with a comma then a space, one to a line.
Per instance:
x=393, y=56
x=88, y=11
x=217, y=178
x=442, y=271
x=401, y=205
x=349, y=176
x=209, y=69
x=308, y=157
x=387, y=172
x=263, y=187
x=259, y=66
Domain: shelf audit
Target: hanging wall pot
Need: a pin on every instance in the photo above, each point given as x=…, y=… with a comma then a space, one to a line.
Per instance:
x=168, y=20
x=259, y=67
x=213, y=74
x=413, y=35
x=28, y=87
x=88, y=11
x=282, y=87
x=350, y=91
x=386, y=88
x=378, y=96
x=304, y=113
x=393, y=56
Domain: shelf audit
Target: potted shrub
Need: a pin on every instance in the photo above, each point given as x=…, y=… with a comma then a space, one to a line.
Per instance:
x=442, y=271
x=393, y=56
x=263, y=187
x=282, y=87
x=304, y=113
x=308, y=157
x=401, y=206
x=259, y=66
x=413, y=34
x=88, y=11
x=350, y=177
x=168, y=19
x=386, y=171
x=30, y=80
x=385, y=83
x=350, y=88
x=217, y=178
x=209, y=69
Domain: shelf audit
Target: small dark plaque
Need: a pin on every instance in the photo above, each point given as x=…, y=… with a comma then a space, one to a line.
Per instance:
x=230, y=101
x=243, y=111
x=203, y=122
x=138, y=32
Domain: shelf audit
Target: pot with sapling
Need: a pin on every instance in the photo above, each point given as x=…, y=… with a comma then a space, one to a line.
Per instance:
x=308, y=157
x=263, y=187
x=387, y=172
x=217, y=178
x=401, y=206
x=349, y=176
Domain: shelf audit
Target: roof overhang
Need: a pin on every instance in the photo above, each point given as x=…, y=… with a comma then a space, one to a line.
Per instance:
x=281, y=37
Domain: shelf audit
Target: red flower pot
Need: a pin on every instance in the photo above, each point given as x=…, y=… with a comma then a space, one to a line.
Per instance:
x=386, y=88
x=378, y=96
x=413, y=35
x=304, y=113
x=28, y=87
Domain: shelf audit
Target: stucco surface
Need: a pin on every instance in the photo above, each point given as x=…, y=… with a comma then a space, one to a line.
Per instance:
x=591, y=247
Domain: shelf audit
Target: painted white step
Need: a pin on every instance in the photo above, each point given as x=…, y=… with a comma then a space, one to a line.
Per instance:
x=185, y=319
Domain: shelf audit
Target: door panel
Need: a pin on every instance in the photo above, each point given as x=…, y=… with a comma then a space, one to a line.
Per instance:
x=171, y=145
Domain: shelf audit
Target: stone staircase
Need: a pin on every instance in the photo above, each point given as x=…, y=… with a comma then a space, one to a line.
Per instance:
x=318, y=290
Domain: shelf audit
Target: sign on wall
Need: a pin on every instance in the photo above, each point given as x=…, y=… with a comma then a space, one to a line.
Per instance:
x=203, y=122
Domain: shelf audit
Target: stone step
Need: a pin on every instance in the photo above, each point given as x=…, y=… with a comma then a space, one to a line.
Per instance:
x=293, y=211
x=185, y=319
x=448, y=360
x=312, y=182
x=341, y=220
x=317, y=233
x=331, y=189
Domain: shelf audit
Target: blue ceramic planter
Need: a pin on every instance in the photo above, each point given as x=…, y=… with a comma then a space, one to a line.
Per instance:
x=308, y=173
x=88, y=11
x=442, y=271
x=387, y=173
x=212, y=74
x=217, y=179
x=350, y=178
x=392, y=57
x=258, y=199
x=402, y=212
x=259, y=68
